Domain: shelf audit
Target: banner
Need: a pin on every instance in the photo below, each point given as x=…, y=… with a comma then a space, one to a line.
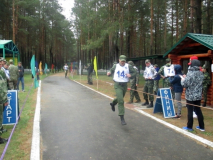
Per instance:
x=45, y=68
x=40, y=68
x=10, y=113
x=164, y=103
x=33, y=69
x=95, y=67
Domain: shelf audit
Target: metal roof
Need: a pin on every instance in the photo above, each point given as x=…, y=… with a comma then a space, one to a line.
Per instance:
x=146, y=57
x=9, y=47
x=204, y=39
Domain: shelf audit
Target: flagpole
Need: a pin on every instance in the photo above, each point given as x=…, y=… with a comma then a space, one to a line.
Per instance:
x=97, y=83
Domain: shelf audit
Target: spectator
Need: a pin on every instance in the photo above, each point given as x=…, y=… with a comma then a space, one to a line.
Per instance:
x=156, y=80
x=21, y=76
x=206, y=83
x=193, y=84
x=13, y=70
x=177, y=87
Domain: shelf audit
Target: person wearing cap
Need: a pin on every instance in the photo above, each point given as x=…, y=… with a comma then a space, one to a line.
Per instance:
x=165, y=72
x=193, y=83
x=134, y=84
x=3, y=74
x=3, y=100
x=156, y=80
x=121, y=73
x=90, y=69
x=13, y=70
x=66, y=67
x=149, y=75
x=206, y=83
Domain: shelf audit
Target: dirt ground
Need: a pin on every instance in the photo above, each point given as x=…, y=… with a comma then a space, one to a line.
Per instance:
x=105, y=85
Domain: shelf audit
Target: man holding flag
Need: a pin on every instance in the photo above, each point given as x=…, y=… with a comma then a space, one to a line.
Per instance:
x=122, y=72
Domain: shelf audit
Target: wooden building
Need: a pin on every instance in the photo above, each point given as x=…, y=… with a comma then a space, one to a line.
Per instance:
x=200, y=45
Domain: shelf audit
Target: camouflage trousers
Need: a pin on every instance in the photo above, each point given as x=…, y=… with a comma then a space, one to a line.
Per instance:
x=205, y=91
x=13, y=84
x=134, y=93
x=169, y=85
x=89, y=78
x=156, y=86
x=1, y=116
x=66, y=71
x=120, y=90
x=148, y=88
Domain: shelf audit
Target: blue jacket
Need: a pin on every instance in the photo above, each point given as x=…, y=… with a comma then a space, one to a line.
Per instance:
x=176, y=80
x=158, y=76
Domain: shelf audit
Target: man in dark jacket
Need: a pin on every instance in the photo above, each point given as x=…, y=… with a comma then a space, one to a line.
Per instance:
x=193, y=83
x=21, y=76
x=177, y=87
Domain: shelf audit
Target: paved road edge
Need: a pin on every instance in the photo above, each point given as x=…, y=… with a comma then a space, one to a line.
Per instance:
x=191, y=135
x=35, y=146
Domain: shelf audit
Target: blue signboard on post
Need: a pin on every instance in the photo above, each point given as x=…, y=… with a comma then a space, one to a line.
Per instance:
x=10, y=113
x=164, y=103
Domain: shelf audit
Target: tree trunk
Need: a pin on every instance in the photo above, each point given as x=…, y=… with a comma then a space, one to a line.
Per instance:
x=177, y=18
x=198, y=4
x=151, y=29
x=185, y=18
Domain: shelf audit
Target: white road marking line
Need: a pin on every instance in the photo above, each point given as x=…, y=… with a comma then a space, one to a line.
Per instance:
x=198, y=138
x=35, y=147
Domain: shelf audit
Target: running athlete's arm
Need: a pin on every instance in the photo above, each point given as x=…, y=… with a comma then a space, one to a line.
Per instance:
x=112, y=70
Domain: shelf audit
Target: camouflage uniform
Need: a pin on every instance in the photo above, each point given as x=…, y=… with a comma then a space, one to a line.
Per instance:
x=89, y=73
x=3, y=100
x=206, y=83
x=120, y=86
x=149, y=75
x=13, y=76
x=6, y=82
x=156, y=80
x=133, y=82
x=166, y=83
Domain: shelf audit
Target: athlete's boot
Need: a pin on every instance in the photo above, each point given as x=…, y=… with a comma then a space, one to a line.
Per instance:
x=122, y=120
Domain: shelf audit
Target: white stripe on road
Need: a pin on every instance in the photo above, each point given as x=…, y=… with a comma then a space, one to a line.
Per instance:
x=94, y=90
x=198, y=138
x=35, y=147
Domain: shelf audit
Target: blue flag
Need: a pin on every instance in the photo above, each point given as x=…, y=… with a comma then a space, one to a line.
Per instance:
x=45, y=68
x=32, y=65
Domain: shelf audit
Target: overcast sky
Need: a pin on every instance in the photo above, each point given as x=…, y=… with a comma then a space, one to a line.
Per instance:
x=67, y=6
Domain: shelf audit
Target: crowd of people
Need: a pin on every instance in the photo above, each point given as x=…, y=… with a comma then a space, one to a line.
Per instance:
x=10, y=77
x=195, y=82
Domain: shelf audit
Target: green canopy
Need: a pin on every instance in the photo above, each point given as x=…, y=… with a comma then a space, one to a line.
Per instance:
x=7, y=47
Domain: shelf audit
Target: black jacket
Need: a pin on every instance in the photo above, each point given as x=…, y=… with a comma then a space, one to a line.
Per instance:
x=21, y=71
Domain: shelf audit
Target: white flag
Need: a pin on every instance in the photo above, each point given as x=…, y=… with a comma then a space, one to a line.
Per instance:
x=80, y=67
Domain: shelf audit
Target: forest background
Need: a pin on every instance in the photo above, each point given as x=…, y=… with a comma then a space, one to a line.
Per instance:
x=102, y=28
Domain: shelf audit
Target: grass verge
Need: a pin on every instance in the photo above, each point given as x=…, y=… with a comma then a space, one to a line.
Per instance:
x=20, y=144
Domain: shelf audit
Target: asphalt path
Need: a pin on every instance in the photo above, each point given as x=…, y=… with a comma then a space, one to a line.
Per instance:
x=78, y=124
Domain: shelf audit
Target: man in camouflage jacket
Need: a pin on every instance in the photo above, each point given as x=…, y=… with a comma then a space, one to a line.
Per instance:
x=3, y=101
x=13, y=75
x=134, y=84
x=166, y=83
x=206, y=83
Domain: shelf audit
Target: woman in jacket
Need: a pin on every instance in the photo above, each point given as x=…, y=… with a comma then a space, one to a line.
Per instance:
x=177, y=88
x=193, y=84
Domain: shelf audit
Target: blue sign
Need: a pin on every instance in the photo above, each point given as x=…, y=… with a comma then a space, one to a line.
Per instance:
x=164, y=103
x=10, y=113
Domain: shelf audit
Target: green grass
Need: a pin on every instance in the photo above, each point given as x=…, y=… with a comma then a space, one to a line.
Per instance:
x=20, y=144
